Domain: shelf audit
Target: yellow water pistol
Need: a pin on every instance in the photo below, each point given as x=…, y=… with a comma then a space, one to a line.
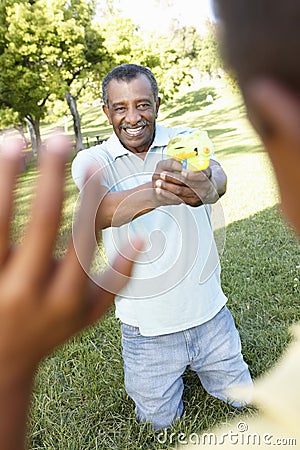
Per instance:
x=192, y=148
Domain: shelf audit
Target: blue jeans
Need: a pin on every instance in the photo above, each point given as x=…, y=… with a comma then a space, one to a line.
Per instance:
x=154, y=366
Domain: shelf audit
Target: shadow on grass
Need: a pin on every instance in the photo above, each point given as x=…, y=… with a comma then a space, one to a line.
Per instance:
x=239, y=149
x=192, y=101
x=260, y=272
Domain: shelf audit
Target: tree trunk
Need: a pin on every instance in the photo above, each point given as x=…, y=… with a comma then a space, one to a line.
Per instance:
x=76, y=120
x=20, y=129
x=35, y=133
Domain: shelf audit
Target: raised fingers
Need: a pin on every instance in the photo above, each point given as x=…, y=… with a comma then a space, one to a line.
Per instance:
x=77, y=263
x=102, y=292
x=46, y=210
x=81, y=299
x=10, y=159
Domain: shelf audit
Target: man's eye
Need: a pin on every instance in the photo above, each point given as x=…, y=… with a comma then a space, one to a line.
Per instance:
x=143, y=106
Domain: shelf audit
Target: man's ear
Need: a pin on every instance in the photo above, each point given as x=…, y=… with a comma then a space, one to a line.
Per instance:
x=157, y=105
x=106, y=112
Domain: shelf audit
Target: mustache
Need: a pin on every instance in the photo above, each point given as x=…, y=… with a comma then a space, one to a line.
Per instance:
x=141, y=123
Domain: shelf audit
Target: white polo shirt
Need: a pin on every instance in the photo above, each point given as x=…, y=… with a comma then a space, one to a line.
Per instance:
x=176, y=281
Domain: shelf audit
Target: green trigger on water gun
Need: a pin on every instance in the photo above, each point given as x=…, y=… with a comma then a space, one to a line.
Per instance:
x=192, y=148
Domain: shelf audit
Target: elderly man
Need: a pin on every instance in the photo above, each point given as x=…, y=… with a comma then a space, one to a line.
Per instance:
x=173, y=312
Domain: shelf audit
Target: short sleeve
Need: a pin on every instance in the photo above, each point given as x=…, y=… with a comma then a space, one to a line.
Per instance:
x=81, y=164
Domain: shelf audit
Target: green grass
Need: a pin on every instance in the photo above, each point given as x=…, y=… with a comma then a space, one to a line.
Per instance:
x=79, y=399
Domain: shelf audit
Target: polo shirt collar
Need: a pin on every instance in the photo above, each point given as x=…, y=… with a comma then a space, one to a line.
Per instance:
x=116, y=149
x=162, y=137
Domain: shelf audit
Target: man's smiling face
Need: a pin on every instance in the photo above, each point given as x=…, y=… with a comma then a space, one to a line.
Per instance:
x=132, y=111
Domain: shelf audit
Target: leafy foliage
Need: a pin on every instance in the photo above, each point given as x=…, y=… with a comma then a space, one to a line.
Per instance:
x=55, y=49
x=208, y=57
x=44, y=47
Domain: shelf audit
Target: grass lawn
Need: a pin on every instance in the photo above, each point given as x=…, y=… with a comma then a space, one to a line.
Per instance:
x=79, y=400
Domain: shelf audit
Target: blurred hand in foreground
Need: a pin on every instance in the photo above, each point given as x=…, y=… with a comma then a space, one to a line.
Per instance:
x=44, y=301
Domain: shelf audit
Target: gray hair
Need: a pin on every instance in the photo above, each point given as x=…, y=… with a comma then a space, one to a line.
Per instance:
x=128, y=72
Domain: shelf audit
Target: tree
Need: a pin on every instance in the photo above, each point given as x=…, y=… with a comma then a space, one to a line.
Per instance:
x=209, y=59
x=188, y=42
x=84, y=58
x=28, y=61
x=170, y=69
x=129, y=44
x=45, y=46
x=10, y=119
x=54, y=49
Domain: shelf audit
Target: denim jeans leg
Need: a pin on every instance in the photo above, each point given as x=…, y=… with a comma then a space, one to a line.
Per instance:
x=220, y=364
x=153, y=368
